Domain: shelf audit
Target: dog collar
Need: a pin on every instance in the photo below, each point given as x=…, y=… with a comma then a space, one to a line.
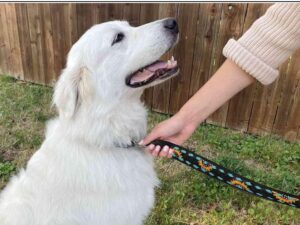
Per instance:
x=131, y=145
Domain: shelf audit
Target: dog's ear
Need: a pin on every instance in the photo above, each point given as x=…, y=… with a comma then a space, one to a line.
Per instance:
x=70, y=90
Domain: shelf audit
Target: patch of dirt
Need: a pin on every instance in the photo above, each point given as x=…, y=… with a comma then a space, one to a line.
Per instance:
x=205, y=150
x=252, y=164
x=8, y=154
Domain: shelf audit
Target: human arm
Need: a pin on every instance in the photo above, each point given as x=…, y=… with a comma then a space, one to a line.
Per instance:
x=225, y=83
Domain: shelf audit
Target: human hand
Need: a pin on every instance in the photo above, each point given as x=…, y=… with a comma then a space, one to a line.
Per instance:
x=175, y=129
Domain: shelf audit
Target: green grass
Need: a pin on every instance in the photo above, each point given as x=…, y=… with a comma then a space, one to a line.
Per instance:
x=24, y=108
x=185, y=196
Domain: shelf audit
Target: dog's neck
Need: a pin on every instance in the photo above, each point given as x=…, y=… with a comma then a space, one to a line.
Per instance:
x=107, y=126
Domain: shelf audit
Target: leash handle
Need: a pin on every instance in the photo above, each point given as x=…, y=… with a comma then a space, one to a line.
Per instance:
x=227, y=176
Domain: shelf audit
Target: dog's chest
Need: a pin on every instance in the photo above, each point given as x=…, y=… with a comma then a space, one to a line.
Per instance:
x=119, y=183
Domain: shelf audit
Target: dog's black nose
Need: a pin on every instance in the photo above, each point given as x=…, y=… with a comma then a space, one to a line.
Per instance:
x=171, y=25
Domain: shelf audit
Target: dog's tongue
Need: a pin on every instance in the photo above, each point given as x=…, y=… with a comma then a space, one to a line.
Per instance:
x=141, y=76
x=149, y=71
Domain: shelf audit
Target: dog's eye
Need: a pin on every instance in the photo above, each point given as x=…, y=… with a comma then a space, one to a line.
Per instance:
x=118, y=38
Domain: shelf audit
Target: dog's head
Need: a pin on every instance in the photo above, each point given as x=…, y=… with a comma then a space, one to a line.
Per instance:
x=113, y=60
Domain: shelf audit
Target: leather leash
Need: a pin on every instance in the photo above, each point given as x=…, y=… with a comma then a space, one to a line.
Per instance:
x=227, y=176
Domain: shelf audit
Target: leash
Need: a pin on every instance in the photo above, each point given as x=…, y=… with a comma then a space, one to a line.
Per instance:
x=235, y=180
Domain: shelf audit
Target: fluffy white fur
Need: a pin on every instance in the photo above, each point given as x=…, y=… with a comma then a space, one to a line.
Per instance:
x=79, y=176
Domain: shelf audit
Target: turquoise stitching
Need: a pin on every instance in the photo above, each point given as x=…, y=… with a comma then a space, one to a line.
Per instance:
x=230, y=174
x=195, y=166
x=248, y=183
x=203, y=170
x=187, y=162
x=239, y=179
x=221, y=170
x=269, y=191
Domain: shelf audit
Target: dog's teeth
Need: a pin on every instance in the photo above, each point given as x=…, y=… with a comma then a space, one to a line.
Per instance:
x=172, y=58
x=169, y=63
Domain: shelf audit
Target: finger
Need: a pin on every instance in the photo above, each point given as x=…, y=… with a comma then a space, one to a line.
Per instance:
x=156, y=151
x=164, y=151
x=170, y=154
x=150, y=148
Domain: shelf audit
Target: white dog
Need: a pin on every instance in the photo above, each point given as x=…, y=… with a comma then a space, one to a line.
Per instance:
x=86, y=171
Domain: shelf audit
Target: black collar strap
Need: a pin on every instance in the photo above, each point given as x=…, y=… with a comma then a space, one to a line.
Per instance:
x=132, y=144
x=220, y=173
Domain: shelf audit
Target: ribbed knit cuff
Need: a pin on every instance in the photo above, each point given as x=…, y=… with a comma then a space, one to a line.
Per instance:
x=250, y=63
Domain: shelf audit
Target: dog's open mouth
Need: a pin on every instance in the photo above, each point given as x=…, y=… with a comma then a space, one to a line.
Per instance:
x=157, y=70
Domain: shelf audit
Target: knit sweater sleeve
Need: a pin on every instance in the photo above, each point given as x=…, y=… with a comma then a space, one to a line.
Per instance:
x=268, y=43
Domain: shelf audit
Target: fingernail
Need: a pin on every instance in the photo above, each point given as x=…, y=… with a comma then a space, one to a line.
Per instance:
x=151, y=147
x=170, y=154
x=157, y=148
x=165, y=148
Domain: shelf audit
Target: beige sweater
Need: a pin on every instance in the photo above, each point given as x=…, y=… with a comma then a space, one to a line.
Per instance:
x=268, y=43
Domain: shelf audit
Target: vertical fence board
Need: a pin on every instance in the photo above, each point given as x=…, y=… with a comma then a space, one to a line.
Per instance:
x=207, y=26
x=68, y=26
x=15, y=59
x=73, y=22
x=69, y=29
x=240, y=106
x=47, y=44
x=231, y=26
x=66, y=31
x=34, y=20
x=161, y=92
x=114, y=12
x=57, y=18
x=4, y=50
x=5, y=35
x=100, y=13
x=131, y=13
x=85, y=17
x=187, y=18
x=2, y=45
x=148, y=13
x=283, y=101
x=265, y=106
x=25, y=45
x=287, y=122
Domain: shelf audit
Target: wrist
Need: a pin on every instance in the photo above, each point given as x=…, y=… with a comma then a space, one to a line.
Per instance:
x=189, y=117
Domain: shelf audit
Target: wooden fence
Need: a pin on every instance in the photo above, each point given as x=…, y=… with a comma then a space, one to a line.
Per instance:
x=35, y=39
